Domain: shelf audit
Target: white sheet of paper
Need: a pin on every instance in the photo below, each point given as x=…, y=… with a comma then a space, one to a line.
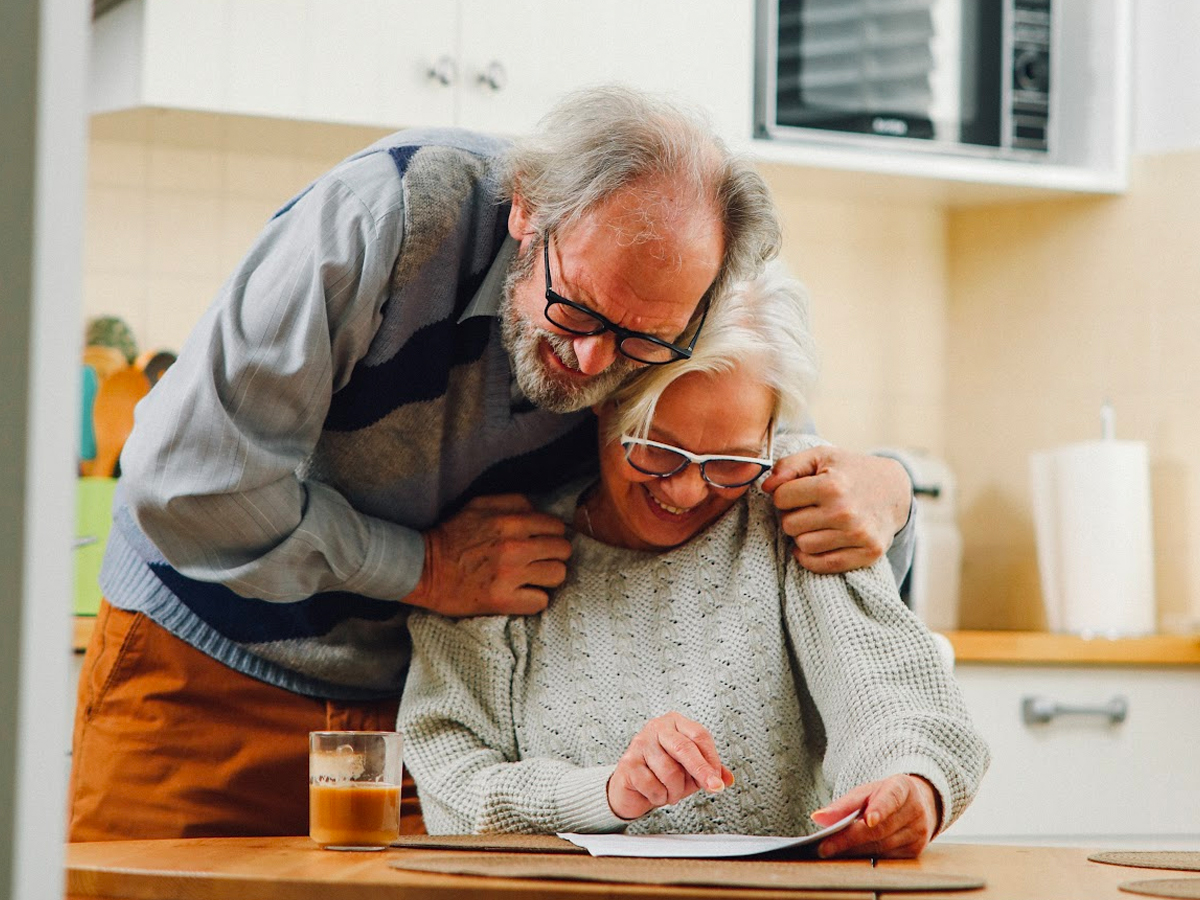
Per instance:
x=694, y=846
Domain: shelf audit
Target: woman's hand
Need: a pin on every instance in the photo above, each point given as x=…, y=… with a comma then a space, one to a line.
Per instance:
x=671, y=758
x=900, y=815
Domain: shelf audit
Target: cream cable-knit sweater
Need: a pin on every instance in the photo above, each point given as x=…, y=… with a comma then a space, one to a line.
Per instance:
x=810, y=685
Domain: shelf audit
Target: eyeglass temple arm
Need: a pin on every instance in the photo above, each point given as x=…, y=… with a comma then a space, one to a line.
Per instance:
x=695, y=337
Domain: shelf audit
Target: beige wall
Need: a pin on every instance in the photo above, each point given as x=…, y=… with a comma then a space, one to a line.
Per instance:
x=175, y=199
x=977, y=334
x=875, y=270
x=1056, y=306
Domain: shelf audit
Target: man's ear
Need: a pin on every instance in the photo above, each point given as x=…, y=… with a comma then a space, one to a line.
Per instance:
x=520, y=222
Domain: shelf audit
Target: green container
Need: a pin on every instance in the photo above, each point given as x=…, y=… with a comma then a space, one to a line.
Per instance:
x=93, y=518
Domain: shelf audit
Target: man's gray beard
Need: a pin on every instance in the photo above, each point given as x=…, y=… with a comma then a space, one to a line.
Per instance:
x=521, y=339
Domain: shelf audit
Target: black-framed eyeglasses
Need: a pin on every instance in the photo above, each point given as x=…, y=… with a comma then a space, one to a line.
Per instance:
x=637, y=345
x=718, y=469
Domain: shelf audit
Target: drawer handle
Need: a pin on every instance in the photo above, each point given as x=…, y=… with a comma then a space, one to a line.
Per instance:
x=1040, y=710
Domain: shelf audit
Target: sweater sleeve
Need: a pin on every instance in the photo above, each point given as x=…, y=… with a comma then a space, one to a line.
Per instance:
x=210, y=470
x=460, y=742
x=887, y=701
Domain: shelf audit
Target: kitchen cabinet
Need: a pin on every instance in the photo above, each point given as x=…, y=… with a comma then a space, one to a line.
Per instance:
x=1094, y=776
x=497, y=65
x=346, y=61
x=492, y=65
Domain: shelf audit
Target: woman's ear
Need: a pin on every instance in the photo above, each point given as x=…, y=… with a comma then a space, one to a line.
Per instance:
x=520, y=221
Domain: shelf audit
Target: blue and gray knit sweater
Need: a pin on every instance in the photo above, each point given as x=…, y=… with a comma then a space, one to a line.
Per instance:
x=346, y=390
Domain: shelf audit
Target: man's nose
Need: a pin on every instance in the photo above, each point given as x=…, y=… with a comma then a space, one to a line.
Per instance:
x=685, y=489
x=595, y=353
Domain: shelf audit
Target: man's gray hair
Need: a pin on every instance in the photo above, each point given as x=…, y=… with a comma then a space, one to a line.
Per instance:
x=761, y=324
x=598, y=141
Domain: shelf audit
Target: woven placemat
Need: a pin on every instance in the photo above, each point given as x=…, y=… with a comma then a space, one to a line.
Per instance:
x=1182, y=860
x=1185, y=888
x=507, y=843
x=709, y=873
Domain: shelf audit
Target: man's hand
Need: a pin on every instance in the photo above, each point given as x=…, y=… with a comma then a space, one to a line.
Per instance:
x=841, y=508
x=671, y=758
x=496, y=556
x=899, y=818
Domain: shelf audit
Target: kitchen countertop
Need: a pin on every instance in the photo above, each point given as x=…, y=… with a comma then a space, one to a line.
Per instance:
x=1016, y=647
x=292, y=867
x=1041, y=647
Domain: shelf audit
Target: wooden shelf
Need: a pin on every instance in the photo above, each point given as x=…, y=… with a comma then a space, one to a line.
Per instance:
x=1039, y=647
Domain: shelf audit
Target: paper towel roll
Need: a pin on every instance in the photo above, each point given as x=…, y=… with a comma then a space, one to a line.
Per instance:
x=1092, y=518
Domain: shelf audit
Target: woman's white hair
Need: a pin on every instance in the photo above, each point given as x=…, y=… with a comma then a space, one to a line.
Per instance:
x=599, y=141
x=761, y=325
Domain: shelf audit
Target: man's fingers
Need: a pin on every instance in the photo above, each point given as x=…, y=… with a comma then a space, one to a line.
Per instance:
x=521, y=601
x=510, y=524
x=796, y=491
x=814, y=543
x=524, y=551
x=798, y=465
x=545, y=574
x=501, y=503
x=834, y=563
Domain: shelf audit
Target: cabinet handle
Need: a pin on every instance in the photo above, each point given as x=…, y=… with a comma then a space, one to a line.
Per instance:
x=1040, y=710
x=444, y=71
x=493, y=76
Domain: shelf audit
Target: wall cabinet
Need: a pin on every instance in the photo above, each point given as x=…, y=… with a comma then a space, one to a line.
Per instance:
x=494, y=65
x=1083, y=776
x=497, y=65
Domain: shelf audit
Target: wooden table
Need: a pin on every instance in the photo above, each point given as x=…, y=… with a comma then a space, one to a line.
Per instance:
x=293, y=868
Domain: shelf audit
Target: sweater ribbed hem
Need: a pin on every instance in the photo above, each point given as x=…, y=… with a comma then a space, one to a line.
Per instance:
x=583, y=801
x=128, y=583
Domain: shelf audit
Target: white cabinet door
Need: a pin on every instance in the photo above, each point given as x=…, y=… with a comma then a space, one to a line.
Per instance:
x=181, y=48
x=368, y=62
x=508, y=62
x=1081, y=775
x=265, y=70
x=364, y=62
x=700, y=51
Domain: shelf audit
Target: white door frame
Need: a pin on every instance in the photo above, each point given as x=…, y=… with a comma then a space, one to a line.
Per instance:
x=43, y=148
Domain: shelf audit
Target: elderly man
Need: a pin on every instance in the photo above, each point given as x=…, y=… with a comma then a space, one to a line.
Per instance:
x=411, y=345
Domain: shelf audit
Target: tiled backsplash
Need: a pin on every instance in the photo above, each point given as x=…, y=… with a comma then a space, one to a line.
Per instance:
x=1056, y=307
x=977, y=334
x=175, y=199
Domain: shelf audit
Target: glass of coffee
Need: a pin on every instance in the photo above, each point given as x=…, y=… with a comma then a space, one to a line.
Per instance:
x=354, y=789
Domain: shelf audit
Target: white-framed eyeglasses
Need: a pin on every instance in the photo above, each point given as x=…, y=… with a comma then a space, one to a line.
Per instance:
x=718, y=469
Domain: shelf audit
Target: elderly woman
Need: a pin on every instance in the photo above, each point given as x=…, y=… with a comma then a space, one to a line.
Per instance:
x=689, y=675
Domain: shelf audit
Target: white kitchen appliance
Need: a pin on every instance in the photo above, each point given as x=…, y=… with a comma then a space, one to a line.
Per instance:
x=932, y=586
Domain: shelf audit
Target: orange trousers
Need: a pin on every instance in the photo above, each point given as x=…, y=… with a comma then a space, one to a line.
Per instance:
x=170, y=743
